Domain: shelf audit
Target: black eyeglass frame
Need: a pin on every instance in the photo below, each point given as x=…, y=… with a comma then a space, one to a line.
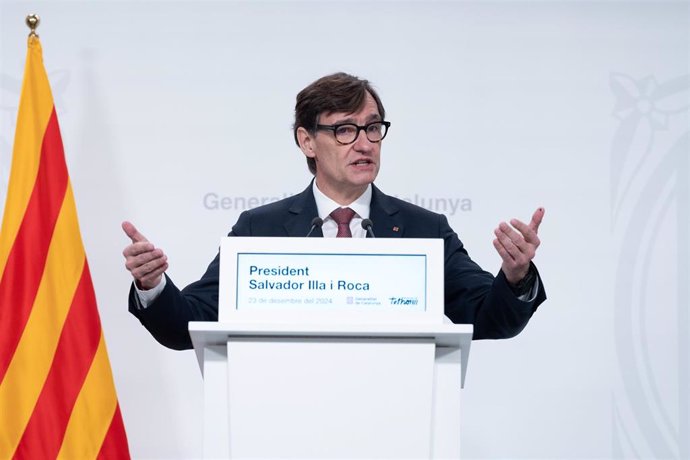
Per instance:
x=364, y=128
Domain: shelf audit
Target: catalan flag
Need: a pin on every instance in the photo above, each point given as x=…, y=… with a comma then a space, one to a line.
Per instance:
x=57, y=396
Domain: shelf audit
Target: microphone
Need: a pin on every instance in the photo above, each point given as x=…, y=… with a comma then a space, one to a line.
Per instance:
x=367, y=225
x=316, y=222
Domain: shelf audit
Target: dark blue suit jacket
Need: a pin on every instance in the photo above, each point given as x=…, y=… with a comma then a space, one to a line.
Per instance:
x=471, y=294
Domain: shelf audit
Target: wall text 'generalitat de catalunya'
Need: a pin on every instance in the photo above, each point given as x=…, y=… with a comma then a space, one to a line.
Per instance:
x=450, y=206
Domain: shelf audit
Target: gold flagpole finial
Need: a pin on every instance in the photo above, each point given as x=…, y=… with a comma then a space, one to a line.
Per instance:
x=32, y=21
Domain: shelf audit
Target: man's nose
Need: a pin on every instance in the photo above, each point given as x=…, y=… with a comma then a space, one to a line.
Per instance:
x=362, y=143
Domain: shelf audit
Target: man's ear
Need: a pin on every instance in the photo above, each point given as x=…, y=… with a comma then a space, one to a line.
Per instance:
x=306, y=142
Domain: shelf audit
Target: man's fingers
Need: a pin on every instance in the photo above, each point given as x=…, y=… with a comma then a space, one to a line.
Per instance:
x=132, y=232
x=144, y=261
x=153, y=278
x=509, y=237
x=537, y=217
x=135, y=259
x=135, y=249
x=529, y=232
x=526, y=231
x=500, y=248
x=149, y=269
x=519, y=247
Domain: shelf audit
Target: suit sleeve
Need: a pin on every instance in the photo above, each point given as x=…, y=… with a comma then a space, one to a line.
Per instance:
x=167, y=318
x=475, y=296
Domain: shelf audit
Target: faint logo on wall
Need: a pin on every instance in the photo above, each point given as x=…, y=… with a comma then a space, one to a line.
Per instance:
x=650, y=204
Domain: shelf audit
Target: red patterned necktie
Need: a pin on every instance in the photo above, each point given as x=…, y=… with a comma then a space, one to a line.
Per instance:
x=342, y=217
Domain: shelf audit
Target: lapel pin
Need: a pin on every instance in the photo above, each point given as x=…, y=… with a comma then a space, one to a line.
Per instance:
x=395, y=229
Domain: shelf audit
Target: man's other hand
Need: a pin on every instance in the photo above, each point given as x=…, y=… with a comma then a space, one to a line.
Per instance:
x=517, y=244
x=144, y=261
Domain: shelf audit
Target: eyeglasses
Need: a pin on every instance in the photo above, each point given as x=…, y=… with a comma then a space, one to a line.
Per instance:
x=347, y=133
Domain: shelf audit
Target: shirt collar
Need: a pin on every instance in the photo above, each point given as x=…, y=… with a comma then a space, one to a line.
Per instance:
x=325, y=205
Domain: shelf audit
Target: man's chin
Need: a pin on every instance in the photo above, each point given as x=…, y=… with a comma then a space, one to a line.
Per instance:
x=365, y=177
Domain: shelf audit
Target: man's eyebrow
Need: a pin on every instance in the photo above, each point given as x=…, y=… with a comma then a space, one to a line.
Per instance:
x=344, y=120
x=369, y=119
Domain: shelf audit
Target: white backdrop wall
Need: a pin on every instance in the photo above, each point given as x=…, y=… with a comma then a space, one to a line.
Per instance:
x=497, y=108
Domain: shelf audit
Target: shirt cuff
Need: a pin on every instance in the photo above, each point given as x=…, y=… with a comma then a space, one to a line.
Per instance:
x=147, y=297
x=532, y=294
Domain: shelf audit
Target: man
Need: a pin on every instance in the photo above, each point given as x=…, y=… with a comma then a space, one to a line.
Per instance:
x=339, y=126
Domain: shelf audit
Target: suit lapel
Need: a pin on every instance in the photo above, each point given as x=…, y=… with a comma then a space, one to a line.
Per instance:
x=383, y=213
x=300, y=214
x=385, y=216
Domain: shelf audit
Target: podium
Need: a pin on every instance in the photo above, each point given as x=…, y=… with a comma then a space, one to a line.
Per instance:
x=331, y=392
x=346, y=382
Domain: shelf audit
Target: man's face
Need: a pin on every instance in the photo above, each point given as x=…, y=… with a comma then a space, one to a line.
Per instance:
x=344, y=171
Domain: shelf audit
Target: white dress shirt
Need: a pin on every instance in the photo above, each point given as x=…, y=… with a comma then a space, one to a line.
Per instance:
x=325, y=206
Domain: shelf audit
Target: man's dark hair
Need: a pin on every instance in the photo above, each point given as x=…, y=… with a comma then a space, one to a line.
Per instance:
x=339, y=92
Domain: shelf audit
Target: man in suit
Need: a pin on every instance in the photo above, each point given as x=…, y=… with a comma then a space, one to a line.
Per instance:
x=339, y=126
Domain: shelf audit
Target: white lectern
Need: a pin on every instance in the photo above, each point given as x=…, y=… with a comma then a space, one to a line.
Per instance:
x=319, y=373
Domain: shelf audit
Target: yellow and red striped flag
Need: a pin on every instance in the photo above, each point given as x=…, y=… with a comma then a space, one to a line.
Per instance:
x=57, y=396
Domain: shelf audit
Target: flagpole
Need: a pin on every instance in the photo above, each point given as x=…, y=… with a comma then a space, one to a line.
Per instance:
x=32, y=21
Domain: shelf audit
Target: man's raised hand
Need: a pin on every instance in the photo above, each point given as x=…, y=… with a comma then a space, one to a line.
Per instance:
x=144, y=261
x=517, y=245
